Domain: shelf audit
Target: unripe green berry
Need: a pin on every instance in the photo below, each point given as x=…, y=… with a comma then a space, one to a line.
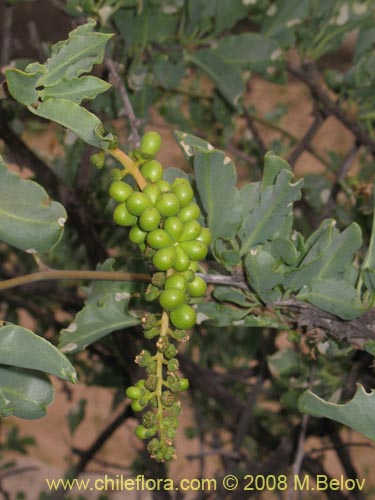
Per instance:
x=164, y=258
x=152, y=170
x=136, y=406
x=182, y=189
x=120, y=191
x=190, y=212
x=168, y=205
x=150, y=219
x=205, y=236
x=122, y=216
x=141, y=432
x=183, y=317
x=171, y=298
x=153, y=192
x=174, y=227
x=196, y=250
x=198, y=287
x=136, y=235
x=150, y=143
x=191, y=231
x=158, y=238
x=176, y=281
x=182, y=261
x=133, y=392
x=137, y=203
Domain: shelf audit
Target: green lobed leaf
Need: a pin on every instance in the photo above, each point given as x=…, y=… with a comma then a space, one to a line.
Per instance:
x=215, y=177
x=29, y=220
x=75, y=57
x=84, y=124
x=22, y=84
x=169, y=74
x=285, y=363
x=229, y=294
x=22, y=348
x=335, y=296
x=190, y=143
x=226, y=76
x=228, y=12
x=221, y=315
x=76, y=90
x=368, y=266
x=329, y=256
x=28, y=392
x=358, y=413
x=275, y=204
x=105, y=311
x=262, y=274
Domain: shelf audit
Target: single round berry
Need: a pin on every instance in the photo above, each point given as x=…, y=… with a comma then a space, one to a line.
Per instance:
x=190, y=212
x=205, y=236
x=133, y=392
x=149, y=219
x=168, y=205
x=136, y=406
x=153, y=192
x=158, y=238
x=172, y=298
x=198, y=287
x=183, y=317
x=176, y=281
x=164, y=186
x=164, y=258
x=137, y=203
x=136, y=235
x=184, y=384
x=123, y=217
x=191, y=230
x=141, y=432
x=150, y=143
x=182, y=261
x=182, y=189
x=174, y=227
x=193, y=267
x=120, y=191
x=152, y=170
x=196, y=250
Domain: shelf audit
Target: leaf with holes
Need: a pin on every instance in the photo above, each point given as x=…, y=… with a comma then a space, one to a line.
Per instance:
x=29, y=220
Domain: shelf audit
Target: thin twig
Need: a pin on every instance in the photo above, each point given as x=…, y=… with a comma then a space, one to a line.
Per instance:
x=307, y=74
x=297, y=464
x=341, y=174
x=306, y=139
x=116, y=80
x=72, y=275
x=254, y=130
x=6, y=35
x=219, y=279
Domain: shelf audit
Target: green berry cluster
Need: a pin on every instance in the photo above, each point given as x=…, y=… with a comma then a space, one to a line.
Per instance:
x=163, y=221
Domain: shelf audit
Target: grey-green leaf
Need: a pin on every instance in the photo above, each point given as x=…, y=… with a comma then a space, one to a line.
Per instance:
x=358, y=414
x=84, y=124
x=105, y=311
x=75, y=57
x=28, y=392
x=76, y=90
x=262, y=274
x=216, y=177
x=21, y=347
x=21, y=84
x=337, y=297
x=29, y=220
x=275, y=204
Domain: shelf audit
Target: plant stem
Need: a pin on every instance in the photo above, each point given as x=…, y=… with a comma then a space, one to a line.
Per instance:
x=130, y=166
x=74, y=275
x=159, y=372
